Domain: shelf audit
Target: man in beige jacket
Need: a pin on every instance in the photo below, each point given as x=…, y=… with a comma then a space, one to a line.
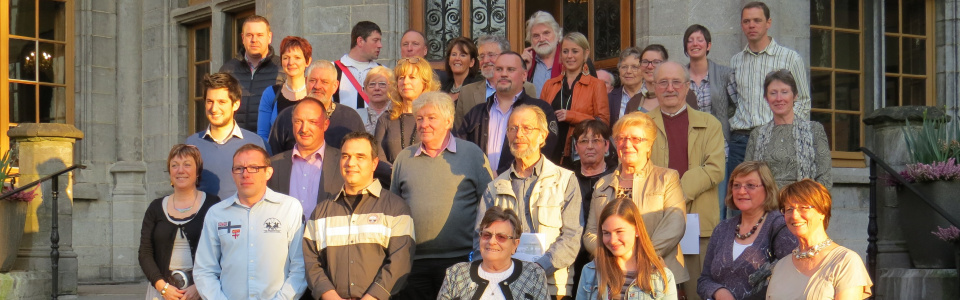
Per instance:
x=691, y=142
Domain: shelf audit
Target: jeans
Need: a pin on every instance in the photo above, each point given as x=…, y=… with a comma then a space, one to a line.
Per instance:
x=738, y=149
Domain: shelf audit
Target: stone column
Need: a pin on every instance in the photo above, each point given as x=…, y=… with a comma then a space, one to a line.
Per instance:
x=45, y=149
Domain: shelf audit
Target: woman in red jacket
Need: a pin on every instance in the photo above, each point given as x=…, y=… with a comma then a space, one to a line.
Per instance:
x=575, y=95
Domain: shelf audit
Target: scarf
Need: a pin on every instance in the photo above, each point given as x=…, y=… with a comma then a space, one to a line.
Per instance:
x=803, y=142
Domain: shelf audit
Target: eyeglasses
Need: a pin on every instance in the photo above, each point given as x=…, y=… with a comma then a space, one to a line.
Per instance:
x=749, y=186
x=524, y=129
x=590, y=142
x=675, y=83
x=250, y=169
x=630, y=68
x=412, y=60
x=650, y=62
x=488, y=54
x=501, y=238
x=631, y=139
x=378, y=84
x=790, y=209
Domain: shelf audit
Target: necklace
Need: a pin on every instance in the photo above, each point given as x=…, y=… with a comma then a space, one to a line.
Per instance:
x=173, y=199
x=455, y=89
x=412, y=134
x=752, y=231
x=302, y=88
x=812, y=251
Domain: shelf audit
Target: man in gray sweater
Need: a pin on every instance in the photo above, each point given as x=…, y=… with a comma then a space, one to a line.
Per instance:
x=442, y=179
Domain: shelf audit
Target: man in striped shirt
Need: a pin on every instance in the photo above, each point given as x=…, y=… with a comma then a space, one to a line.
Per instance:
x=359, y=243
x=762, y=55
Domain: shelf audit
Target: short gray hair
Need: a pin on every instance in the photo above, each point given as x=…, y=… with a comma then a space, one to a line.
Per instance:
x=686, y=76
x=439, y=100
x=541, y=119
x=500, y=40
x=542, y=17
x=630, y=52
x=321, y=64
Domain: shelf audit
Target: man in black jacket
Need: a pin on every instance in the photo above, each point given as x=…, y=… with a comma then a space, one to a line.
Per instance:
x=477, y=126
x=256, y=67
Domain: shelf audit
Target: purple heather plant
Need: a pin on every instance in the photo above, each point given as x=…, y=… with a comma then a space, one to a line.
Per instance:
x=949, y=234
x=23, y=196
x=937, y=171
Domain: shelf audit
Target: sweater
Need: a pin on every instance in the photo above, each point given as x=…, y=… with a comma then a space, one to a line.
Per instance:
x=216, y=177
x=463, y=282
x=157, y=235
x=443, y=193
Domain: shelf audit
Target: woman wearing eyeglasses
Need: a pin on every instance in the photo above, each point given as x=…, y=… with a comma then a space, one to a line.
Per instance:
x=655, y=190
x=397, y=129
x=575, y=95
x=380, y=86
x=627, y=265
x=646, y=99
x=171, y=228
x=818, y=268
x=794, y=148
x=629, y=68
x=295, y=56
x=461, y=66
x=496, y=275
x=746, y=246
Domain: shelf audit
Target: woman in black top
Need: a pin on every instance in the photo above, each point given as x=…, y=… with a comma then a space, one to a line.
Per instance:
x=171, y=228
x=396, y=128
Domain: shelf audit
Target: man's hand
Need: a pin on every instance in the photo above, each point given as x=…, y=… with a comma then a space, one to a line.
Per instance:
x=527, y=56
x=331, y=295
x=368, y=297
x=191, y=293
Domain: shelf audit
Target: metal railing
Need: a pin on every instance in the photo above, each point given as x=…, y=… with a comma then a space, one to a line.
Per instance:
x=54, y=221
x=876, y=162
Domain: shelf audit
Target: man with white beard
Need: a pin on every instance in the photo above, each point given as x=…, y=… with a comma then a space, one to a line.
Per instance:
x=543, y=34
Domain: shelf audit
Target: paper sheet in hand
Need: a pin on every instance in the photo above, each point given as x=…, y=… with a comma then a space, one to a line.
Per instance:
x=690, y=243
x=532, y=246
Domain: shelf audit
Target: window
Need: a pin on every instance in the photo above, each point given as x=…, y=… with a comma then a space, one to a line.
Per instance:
x=36, y=76
x=236, y=27
x=908, y=63
x=606, y=23
x=836, y=76
x=198, y=47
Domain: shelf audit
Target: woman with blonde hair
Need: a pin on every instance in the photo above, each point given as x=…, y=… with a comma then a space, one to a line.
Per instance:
x=381, y=87
x=627, y=266
x=575, y=95
x=655, y=190
x=397, y=129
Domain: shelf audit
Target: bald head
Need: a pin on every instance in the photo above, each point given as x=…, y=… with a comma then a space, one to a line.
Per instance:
x=672, y=84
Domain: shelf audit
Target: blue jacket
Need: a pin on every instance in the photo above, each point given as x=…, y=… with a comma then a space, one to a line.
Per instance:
x=588, y=287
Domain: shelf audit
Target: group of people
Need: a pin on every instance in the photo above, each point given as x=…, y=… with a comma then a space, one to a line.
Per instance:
x=504, y=176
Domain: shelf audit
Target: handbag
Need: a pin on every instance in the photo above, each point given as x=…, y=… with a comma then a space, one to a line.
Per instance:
x=761, y=277
x=180, y=279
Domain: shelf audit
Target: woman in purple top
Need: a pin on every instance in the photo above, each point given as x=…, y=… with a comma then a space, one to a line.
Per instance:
x=749, y=243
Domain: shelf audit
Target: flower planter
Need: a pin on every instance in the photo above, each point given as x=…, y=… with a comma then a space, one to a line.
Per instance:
x=918, y=220
x=12, y=217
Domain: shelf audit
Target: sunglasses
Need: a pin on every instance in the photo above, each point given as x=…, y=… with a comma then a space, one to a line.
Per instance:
x=501, y=238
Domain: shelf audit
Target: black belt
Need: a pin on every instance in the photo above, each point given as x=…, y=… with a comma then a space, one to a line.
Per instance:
x=742, y=131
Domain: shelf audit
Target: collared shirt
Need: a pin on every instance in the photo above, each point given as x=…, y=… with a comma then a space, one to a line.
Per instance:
x=523, y=188
x=450, y=145
x=305, y=178
x=251, y=63
x=682, y=109
x=233, y=133
x=703, y=93
x=750, y=69
x=349, y=95
x=626, y=98
x=497, y=133
x=252, y=252
x=490, y=89
x=541, y=74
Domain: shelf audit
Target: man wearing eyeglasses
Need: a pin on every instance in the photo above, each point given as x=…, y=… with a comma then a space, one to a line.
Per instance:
x=486, y=123
x=691, y=142
x=545, y=196
x=251, y=245
x=471, y=95
x=221, y=94
x=309, y=172
x=359, y=243
x=321, y=85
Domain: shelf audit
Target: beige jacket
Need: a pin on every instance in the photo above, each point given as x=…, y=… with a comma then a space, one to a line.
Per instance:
x=705, y=168
x=656, y=191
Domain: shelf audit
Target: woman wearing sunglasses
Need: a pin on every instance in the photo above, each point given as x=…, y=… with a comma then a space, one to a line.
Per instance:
x=396, y=129
x=381, y=86
x=627, y=266
x=818, y=268
x=496, y=275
